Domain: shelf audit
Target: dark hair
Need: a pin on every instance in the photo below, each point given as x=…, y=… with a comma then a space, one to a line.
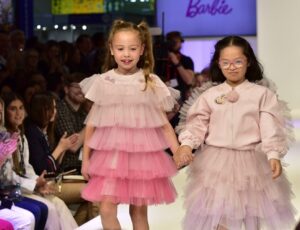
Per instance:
x=173, y=35
x=70, y=78
x=254, y=70
x=17, y=156
x=41, y=109
x=81, y=38
x=8, y=98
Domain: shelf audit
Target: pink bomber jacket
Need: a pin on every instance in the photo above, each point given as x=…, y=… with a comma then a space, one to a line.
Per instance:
x=253, y=121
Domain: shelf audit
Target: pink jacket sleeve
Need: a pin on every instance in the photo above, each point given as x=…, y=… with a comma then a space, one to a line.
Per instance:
x=197, y=122
x=272, y=127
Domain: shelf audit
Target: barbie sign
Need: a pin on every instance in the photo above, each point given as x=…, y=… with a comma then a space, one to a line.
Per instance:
x=216, y=7
x=207, y=17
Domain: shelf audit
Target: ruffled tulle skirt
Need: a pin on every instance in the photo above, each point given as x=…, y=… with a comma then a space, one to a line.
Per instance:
x=132, y=178
x=235, y=189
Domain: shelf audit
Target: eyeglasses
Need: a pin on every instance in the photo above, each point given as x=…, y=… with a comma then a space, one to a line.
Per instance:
x=237, y=63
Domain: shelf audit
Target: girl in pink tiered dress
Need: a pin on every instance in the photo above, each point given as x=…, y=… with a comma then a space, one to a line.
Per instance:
x=127, y=131
x=236, y=180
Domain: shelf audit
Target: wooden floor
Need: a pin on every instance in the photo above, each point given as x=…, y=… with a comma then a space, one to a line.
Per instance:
x=169, y=216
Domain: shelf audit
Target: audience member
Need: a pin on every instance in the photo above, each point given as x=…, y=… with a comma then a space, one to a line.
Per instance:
x=180, y=73
x=70, y=118
x=44, y=155
x=71, y=113
x=202, y=77
x=9, y=177
x=52, y=67
x=20, y=171
x=84, y=45
x=18, y=217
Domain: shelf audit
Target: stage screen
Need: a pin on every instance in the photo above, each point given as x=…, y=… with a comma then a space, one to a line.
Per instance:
x=141, y=7
x=207, y=18
x=77, y=6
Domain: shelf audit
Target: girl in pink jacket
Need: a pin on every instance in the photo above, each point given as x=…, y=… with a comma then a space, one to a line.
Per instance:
x=236, y=180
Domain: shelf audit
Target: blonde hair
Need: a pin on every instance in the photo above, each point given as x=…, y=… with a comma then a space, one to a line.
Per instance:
x=146, y=61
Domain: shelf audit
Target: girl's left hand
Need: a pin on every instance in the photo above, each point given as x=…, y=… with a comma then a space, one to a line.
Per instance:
x=276, y=168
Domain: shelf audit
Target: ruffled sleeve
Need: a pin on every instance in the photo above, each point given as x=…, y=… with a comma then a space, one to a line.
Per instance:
x=167, y=97
x=196, y=125
x=91, y=87
x=273, y=126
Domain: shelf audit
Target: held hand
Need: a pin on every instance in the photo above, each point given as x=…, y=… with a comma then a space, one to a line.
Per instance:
x=84, y=169
x=276, y=168
x=183, y=156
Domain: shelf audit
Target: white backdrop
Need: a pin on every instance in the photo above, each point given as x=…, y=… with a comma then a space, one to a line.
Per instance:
x=278, y=47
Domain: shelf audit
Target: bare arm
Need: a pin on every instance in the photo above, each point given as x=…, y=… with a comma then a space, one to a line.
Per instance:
x=182, y=155
x=59, y=151
x=86, y=151
x=79, y=142
x=170, y=137
x=187, y=75
x=64, y=144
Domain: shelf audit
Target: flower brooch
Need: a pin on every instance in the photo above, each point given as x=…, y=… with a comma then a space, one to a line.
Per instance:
x=232, y=97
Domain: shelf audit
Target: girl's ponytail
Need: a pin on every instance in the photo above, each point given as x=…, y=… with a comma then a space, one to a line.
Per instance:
x=147, y=59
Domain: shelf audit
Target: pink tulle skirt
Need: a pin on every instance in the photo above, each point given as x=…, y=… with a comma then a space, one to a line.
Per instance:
x=235, y=189
x=132, y=178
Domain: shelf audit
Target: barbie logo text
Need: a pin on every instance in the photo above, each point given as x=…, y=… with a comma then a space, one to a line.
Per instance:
x=215, y=7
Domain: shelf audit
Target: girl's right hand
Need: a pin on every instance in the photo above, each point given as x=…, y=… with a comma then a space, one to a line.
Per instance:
x=84, y=169
x=183, y=156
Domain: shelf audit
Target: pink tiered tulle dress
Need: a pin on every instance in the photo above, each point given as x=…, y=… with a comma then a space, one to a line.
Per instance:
x=128, y=163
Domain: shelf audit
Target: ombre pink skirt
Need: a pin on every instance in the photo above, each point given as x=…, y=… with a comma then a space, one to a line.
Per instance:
x=235, y=189
x=129, y=166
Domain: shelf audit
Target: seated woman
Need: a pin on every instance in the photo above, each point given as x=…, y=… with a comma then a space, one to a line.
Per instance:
x=44, y=155
x=19, y=218
x=20, y=171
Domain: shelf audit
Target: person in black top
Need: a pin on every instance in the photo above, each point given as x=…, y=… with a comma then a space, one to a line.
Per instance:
x=180, y=68
x=175, y=69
